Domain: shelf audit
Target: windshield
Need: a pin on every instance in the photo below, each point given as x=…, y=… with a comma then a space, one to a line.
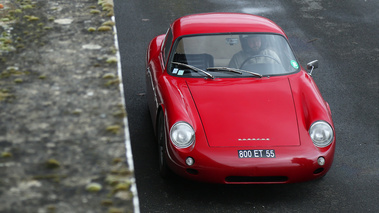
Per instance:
x=230, y=55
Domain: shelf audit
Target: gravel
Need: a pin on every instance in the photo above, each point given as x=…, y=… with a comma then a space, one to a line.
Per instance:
x=63, y=125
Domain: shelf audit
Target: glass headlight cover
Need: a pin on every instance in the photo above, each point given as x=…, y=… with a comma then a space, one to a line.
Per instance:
x=321, y=134
x=182, y=134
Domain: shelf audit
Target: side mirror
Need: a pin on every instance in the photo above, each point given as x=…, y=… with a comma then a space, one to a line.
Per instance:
x=311, y=66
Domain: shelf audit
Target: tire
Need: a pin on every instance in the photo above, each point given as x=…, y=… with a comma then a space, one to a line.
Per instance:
x=161, y=138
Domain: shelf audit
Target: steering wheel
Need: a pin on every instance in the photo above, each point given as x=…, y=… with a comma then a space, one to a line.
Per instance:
x=256, y=56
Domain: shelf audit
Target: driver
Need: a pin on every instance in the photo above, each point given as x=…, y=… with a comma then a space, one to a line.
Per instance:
x=252, y=48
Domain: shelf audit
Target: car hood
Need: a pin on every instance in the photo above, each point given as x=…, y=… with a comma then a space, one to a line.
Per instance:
x=246, y=113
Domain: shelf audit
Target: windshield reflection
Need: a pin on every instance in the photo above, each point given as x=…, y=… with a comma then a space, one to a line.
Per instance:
x=261, y=54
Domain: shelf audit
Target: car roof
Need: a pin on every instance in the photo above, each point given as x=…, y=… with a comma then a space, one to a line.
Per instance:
x=210, y=23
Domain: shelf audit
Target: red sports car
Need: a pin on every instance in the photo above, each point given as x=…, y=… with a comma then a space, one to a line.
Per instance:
x=231, y=104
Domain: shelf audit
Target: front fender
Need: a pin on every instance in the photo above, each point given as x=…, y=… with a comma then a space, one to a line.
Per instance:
x=310, y=107
x=177, y=100
x=179, y=105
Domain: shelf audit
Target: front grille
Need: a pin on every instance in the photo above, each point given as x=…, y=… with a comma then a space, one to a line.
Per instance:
x=319, y=170
x=192, y=171
x=247, y=179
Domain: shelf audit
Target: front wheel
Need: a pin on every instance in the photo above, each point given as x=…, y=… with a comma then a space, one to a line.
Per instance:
x=161, y=137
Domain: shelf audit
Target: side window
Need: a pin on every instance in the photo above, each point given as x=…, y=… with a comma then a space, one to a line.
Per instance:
x=167, y=45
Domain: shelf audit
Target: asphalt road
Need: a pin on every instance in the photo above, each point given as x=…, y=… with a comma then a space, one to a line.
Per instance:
x=342, y=35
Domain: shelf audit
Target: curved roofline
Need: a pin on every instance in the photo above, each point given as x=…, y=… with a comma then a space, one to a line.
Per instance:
x=208, y=23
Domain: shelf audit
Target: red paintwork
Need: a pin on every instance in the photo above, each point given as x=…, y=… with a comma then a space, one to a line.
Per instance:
x=222, y=23
x=256, y=108
x=223, y=110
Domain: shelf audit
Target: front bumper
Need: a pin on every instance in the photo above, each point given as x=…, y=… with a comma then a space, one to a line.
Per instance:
x=223, y=165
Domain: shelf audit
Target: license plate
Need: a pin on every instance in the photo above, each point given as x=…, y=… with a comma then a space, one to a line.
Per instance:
x=257, y=153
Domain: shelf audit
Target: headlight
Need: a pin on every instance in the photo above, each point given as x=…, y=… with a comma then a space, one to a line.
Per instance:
x=321, y=134
x=182, y=134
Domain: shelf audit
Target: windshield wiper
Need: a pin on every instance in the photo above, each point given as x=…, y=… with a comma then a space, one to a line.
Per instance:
x=239, y=71
x=195, y=69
